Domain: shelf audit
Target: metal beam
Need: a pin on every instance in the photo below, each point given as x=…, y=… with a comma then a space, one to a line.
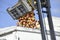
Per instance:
x=41, y=20
x=52, y=33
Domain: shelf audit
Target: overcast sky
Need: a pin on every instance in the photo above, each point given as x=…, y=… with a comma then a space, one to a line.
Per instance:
x=6, y=20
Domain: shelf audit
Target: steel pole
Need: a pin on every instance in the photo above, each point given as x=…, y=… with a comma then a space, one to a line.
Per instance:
x=41, y=20
x=52, y=33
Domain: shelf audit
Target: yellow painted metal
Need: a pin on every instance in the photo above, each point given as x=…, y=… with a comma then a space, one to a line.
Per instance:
x=31, y=3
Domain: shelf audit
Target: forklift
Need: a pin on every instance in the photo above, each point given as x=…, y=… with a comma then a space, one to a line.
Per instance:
x=26, y=7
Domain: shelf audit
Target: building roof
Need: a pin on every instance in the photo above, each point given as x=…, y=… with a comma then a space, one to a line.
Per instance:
x=7, y=29
x=17, y=28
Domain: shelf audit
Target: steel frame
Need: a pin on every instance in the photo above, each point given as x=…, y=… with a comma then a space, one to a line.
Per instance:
x=48, y=12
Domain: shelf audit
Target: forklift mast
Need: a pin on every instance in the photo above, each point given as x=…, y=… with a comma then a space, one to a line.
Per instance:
x=45, y=4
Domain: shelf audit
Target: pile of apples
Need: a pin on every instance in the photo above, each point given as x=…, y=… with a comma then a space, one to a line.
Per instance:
x=28, y=20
